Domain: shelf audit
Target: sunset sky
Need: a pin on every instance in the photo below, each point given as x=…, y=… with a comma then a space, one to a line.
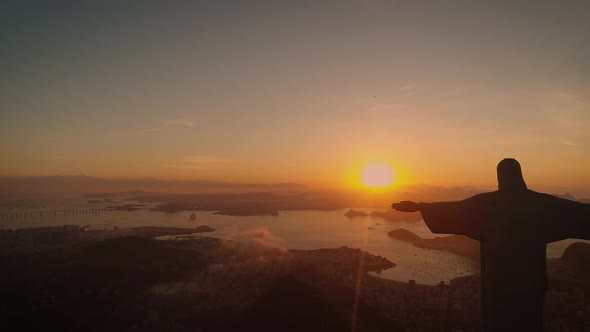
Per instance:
x=298, y=91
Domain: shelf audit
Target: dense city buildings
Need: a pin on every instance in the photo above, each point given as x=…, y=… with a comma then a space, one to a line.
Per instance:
x=223, y=280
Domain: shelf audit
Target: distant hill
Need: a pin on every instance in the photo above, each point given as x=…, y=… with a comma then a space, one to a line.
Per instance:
x=102, y=187
x=432, y=193
x=566, y=196
x=572, y=198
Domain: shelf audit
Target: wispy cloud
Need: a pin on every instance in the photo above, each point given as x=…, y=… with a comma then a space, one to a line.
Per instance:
x=407, y=87
x=178, y=123
x=166, y=124
x=568, y=142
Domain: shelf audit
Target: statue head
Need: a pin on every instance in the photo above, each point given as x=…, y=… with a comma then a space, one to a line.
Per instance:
x=510, y=176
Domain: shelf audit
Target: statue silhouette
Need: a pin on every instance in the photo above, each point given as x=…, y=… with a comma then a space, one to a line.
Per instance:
x=513, y=225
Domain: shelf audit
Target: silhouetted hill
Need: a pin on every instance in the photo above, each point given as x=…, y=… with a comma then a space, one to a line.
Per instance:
x=94, y=287
x=577, y=258
x=140, y=284
x=294, y=303
x=291, y=305
x=457, y=244
x=404, y=235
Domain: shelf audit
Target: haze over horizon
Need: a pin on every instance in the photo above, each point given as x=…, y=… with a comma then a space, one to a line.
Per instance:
x=301, y=92
x=54, y=186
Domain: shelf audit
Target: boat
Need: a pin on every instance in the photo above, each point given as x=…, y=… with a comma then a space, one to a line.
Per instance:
x=193, y=217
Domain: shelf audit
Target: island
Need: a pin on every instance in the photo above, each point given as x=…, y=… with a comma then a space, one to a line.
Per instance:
x=173, y=207
x=355, y=213
x=126, y=207
x=403, y=235
x=246, y=203
x=389, y=215
x=204, y=229
x=248, y=212
x=241, y=209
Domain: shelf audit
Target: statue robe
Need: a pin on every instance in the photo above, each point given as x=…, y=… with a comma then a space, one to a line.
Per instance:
x=513, y=228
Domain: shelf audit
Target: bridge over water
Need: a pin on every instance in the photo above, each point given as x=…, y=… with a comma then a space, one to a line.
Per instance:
x=31, y=214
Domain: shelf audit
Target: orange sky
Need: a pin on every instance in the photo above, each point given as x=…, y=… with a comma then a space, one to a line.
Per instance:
x=299, y=93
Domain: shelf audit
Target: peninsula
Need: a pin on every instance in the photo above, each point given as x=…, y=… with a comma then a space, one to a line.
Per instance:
x=457, y=244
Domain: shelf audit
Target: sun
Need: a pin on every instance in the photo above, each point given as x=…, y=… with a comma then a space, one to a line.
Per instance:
x=377, y=175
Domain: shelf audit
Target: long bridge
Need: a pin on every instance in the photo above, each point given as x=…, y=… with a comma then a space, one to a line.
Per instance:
x=31, y=214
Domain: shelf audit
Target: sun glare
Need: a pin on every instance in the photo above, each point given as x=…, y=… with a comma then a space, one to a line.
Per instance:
x=377, y=175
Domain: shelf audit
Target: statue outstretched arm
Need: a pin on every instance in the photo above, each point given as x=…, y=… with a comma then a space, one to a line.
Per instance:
x=445, y=217
x=407, y=206
x=567, y=219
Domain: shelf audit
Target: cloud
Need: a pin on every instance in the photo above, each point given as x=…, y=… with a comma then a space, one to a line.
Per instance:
x=259, y=245
x=255, y=239
x=568, y=142
x=178, y=123
x=407, y=88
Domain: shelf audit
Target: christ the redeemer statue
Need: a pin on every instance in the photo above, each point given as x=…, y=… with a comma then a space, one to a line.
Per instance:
x=513, y=225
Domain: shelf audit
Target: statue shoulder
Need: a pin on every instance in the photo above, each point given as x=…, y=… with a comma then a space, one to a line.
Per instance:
x=483, y=196
x=552, y=201
x=546, y=196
